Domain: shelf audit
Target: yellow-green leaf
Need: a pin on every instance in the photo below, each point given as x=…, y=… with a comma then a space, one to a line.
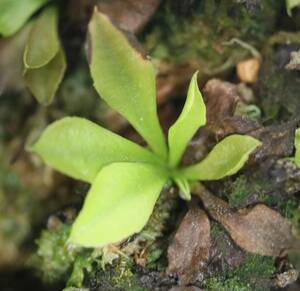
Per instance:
x=80, y=148
x=184, y=187
x=119, y=203
x=225, y=159
x=43, y=42
x=191, y=118
x=125, y=80
x=290, y=4
x=14, y=14
x=297, y=146
x=43, y=82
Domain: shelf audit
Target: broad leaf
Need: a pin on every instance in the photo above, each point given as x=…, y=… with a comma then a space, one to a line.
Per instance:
x=125, y=80
x=119, y=203
x=80, y=148
x=43, y=82
x=191, y=118
x=290, y=4
x=225, y=159
x=43, y=41
x=297, y=146
x=14, y=14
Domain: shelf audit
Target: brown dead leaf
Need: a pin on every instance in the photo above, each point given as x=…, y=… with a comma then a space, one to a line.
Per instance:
x=277, y=141
x=189, y=250
x=130, y=15
x=221, y=99
x=259, y=230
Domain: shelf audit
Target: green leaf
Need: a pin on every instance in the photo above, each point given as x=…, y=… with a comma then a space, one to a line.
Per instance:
x=118, y=204
x=125, y=80
x=191, y=118
x=290, y=4
x=80, y=148
x=225, y=159
x=14, y=14
x=184, y=187
x=297, y=146
x=43, y=42
x=44, y=81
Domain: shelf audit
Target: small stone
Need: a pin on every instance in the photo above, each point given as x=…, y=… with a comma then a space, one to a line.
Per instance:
x=247, y=70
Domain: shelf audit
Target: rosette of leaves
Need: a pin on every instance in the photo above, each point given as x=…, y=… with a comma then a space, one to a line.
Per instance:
x=44, y=58
x=126, y=179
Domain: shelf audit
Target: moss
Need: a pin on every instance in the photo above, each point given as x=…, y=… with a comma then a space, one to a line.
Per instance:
x=53, y=259
x=253, y=274
x=119, y=277
x=232, y=284
x=274, y=83
x=241, y=192
x=109, y=268
x=201, y=35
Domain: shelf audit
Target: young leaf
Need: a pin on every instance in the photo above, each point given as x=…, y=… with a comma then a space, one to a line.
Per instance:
x=44, y=81
x=125, y=80
x=184, y=187
x=297, y=146
x=118, y=204
x=14, y=14
x=43, y=41
x=225, y=159
x=191, y=118
x=290, y=4
x=80, y=148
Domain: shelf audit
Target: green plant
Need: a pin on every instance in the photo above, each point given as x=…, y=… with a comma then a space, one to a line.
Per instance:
x=126, y=178
x=296, y=159
x=290, y=5
x=44, y=57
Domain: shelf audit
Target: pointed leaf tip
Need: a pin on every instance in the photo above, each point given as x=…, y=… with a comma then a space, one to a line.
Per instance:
x=192, y=117
x=225, y=159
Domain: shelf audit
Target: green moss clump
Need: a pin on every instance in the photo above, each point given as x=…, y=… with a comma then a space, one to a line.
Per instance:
x=202, y=36
x=242, y=192
x=116, y=277
x=232, y=284
x=253, y=274
x=108, y=268
x=53, y=259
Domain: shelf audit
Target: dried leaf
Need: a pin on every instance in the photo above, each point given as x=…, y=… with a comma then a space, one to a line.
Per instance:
x=130, y=15
x=276, y=141
x=189, y=250
x=259, y=230
x=220, y=98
